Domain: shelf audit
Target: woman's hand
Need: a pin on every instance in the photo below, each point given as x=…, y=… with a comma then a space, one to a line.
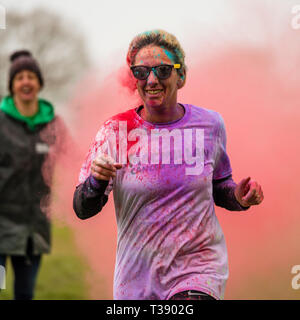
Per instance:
x=104, y=167
x=248, y=193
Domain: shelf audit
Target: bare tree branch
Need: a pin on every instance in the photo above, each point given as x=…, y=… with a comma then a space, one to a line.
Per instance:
x=59, y=48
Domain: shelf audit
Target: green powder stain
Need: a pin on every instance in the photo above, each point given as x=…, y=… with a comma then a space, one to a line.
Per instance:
x=147, y=33
x=169, y=55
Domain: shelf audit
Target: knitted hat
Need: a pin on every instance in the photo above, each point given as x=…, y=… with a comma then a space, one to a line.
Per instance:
x=23, y=60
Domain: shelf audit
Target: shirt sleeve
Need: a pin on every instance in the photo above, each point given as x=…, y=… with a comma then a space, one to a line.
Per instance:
x=223, y=193
x=222, y=167
x=89, y=198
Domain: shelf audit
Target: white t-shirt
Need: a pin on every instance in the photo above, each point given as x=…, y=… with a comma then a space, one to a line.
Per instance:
x=169, y=238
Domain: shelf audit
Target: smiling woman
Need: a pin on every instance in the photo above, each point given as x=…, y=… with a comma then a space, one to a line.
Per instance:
x=170, y=243
x=161, y=53
x=31, y=137
x=26, y=86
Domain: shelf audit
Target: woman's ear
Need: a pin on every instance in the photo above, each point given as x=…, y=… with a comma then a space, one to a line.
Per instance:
x=182, y=79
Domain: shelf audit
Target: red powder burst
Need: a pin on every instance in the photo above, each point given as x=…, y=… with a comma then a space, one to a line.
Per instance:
x=257, y=94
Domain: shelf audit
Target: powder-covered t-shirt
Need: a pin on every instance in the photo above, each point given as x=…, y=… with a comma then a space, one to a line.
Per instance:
x=169, y=238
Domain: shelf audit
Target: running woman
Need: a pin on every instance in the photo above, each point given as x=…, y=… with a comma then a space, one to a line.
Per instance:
x=167, y=166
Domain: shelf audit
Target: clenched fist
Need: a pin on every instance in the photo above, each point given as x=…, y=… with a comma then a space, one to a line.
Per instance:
x=104, y=167
x=248, y=193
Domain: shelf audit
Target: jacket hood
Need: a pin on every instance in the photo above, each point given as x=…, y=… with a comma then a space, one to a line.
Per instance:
x=45, y=113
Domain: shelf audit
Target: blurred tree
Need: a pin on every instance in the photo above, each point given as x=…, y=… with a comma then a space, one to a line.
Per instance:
x=57, y=45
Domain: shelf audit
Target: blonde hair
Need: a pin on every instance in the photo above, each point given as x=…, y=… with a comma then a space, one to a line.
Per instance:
x=161, y=39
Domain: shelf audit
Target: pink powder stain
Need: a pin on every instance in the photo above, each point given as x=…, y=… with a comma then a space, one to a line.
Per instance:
x=259, y=100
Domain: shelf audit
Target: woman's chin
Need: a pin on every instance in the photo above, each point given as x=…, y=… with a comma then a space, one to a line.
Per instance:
x=153, y=103
x=27, y=98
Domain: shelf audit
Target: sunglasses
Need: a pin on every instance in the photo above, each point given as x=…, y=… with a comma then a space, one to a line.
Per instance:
x=162, y=71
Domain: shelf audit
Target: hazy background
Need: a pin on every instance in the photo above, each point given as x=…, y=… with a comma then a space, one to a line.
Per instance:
x=243, y=61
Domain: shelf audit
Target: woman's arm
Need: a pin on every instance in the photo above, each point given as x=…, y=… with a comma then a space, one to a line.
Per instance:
x=89, y=197
x=223, y=193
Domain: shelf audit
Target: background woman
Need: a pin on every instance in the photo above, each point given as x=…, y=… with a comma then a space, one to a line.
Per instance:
x=30, y=138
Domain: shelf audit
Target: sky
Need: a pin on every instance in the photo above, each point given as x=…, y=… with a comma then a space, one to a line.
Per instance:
x=109, y=26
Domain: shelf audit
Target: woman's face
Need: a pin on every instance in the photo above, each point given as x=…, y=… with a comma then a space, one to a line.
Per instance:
x=154, y=92
x=26, y=86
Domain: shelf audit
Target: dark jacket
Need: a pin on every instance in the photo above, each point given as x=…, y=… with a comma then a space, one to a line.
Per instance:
x=27, y=156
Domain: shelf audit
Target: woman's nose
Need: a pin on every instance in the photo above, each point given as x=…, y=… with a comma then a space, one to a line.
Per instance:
x=152, y=78
x=25, y=80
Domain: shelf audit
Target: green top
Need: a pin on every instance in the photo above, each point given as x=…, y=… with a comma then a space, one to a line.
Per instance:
x=44, y=115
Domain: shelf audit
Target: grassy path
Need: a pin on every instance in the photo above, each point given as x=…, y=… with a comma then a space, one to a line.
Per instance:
x=62, y=273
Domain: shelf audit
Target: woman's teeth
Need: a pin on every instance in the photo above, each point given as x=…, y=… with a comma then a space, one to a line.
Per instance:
x=26, y=90
x=153, y=91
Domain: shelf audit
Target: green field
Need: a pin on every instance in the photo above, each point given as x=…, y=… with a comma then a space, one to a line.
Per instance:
x=62, y=274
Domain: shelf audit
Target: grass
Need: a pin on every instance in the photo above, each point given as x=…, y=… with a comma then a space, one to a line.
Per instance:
x=62, y=273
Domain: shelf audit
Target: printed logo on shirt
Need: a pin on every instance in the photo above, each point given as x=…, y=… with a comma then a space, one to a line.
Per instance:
x=41, y=148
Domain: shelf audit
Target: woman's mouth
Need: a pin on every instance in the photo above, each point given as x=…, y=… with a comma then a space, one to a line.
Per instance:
x=153, y=91
x=26, y=90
